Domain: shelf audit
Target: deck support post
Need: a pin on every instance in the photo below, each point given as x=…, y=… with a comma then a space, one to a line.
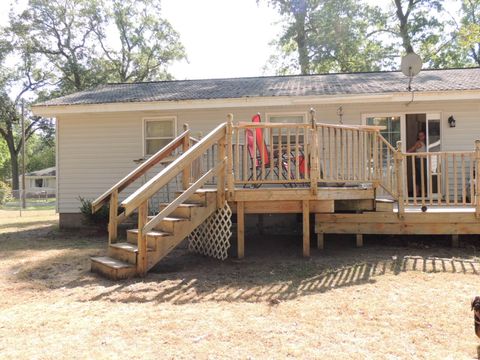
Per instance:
x=186, y=176
x=314, y=169
x=113, y=222
x=221, y=173
x=320, y=241
x=399, y=178
x=142, y=239
x=306, y=227
x=240, y=229
x=229, y=135
x=359, y=240
x=455, y=241
x=477, y=178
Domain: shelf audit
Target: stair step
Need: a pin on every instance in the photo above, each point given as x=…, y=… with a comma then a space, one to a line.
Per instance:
x=187, y=205
x=112, y=268
x=171, y=218
x=126, y=246
x=152, y=233
x=183, y=210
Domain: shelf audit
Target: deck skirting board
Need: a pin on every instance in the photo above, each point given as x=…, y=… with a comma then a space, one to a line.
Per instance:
x=359, y=224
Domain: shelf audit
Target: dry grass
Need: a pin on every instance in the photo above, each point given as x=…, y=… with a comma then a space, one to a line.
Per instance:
x=379, y=302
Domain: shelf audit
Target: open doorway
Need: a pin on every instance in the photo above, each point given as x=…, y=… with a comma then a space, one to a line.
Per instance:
x=429, y=124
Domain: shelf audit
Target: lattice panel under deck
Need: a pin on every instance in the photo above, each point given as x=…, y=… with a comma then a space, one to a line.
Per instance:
x=212, y=238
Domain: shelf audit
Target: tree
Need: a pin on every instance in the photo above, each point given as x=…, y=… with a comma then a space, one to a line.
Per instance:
x=62, y=34
x=148, y=43
x=331, y=35
x=422, y=26
x=469, y=32
x=25, y=78
x=55, y=44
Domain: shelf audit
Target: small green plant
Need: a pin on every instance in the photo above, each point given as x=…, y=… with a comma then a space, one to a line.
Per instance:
x=5, y=193
x=99, y=218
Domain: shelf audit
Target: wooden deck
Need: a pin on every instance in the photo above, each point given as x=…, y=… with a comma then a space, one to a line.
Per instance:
x=349, y=177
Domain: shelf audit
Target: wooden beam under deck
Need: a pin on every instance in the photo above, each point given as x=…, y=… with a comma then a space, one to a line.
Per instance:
x=282, y=207
x=415, y=223
x=324, y=193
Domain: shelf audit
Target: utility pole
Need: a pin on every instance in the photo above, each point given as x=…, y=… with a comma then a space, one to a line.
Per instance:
x=23, y=156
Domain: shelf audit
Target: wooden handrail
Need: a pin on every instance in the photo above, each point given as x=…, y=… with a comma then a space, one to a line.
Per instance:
x=140, y=170
x=353, y=127
x=173, y=169
x=184, y=196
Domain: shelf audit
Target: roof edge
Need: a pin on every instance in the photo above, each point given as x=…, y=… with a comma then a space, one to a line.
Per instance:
x=54, y=110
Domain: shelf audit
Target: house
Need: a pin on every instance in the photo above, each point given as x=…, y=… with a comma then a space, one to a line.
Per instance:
x=101, y=131
x=40, y=182
x=343, y=157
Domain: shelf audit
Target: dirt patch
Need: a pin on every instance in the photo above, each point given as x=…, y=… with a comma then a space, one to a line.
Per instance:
x=382, y=301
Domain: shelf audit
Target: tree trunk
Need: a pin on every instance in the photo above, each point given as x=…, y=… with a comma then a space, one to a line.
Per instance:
x=403, y=19
x=15, y=173
x=301, y=40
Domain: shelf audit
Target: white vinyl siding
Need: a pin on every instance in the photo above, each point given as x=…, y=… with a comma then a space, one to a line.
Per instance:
x=96, y=150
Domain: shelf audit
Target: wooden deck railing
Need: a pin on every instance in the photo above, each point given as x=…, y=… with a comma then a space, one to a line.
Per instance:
x=440, y=178
x=139, y=199
x=270, y=153
x=111, y=195
x=347, y=154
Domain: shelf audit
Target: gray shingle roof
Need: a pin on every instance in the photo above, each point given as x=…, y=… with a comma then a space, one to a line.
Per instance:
x=51, y=171
x=308, y=85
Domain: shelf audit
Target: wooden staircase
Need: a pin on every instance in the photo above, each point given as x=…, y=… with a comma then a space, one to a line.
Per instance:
x=157, y=235
x=122, y=258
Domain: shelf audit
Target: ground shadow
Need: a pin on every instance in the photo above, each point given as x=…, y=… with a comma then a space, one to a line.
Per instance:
x=273, y=270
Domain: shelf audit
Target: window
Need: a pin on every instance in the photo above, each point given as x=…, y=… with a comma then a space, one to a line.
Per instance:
x=296, y=118
x=283, y=119
x=158, y=133
x=392, y=124
x=39, y=183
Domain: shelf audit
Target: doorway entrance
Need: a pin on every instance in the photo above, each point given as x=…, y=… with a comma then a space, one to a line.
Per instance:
x=429, y=124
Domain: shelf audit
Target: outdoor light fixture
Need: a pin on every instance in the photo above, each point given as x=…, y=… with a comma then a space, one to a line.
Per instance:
x=340, y=114
x=451, y=121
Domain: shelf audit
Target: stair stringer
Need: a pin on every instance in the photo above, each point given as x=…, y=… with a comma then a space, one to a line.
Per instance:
x=166, y=244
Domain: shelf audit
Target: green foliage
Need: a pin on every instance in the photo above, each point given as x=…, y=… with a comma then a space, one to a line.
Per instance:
x=148, y=43
x=329, y=36
x=469, y=30
x=99, y=218
x=5, y=192
x=350, y=36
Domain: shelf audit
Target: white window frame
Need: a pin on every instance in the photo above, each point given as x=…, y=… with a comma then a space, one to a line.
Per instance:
x=173, y=119
x=430, y=114
x=296, y=113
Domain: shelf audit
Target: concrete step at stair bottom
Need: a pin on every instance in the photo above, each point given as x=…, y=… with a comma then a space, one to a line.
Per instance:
x=125, y=251
x=183, y=210
x=111, y=268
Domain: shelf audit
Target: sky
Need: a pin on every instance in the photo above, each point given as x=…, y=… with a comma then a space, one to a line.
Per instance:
x=223, y=38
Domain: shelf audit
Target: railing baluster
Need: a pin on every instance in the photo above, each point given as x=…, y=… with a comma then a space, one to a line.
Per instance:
x=464, y=193
x=288, y=156
x=414, y=178
x=237, y=153
x=255, y=156
x=429, y=177
x=439, y=176
x=245, y=158
x=272, y=154
x=471, y=181
x=447, y=178
x=297, y=155
x=455, y=180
